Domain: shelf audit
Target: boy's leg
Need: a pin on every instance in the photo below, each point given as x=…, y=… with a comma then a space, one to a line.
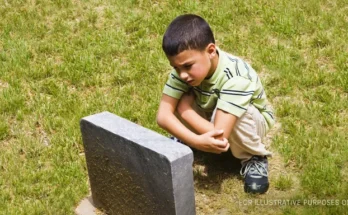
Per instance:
x=246, y=144
x=246, y=137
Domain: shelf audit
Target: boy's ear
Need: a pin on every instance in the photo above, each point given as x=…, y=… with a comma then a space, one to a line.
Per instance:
x=211, y=50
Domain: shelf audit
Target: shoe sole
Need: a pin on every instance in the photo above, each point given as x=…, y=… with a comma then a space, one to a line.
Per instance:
x=261, y=190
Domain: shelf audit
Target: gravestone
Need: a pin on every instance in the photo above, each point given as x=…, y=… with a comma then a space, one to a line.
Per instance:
x=133, y=170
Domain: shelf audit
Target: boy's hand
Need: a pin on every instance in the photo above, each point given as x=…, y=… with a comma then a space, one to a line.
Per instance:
x=208, y=142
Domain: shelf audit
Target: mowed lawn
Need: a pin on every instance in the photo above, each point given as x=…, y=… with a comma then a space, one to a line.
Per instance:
x=62, y=60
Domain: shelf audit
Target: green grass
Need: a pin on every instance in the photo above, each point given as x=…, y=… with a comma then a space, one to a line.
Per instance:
x=63, y=60
x=283, y=183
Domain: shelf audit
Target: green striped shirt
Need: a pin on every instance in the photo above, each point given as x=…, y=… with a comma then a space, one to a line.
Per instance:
x=233, y=86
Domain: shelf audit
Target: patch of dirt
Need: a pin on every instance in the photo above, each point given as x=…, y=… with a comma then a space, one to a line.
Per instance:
x=3, y=85
x=42, y=134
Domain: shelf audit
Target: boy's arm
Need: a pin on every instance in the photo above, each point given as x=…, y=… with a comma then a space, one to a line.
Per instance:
x=168, y=121
x=191, y=117
x=223, y=120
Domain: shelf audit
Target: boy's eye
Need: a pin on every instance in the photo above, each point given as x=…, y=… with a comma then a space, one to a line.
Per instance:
x=185, y=66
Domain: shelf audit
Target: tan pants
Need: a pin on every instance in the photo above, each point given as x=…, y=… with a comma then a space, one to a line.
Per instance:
x=247, y=135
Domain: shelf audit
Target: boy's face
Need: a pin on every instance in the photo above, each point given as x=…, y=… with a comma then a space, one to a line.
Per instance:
x=193, y=66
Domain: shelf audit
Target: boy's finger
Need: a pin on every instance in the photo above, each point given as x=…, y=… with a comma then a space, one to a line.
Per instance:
x=227, y=147
x=225, y=141
x=221, y=143
x=224, y=149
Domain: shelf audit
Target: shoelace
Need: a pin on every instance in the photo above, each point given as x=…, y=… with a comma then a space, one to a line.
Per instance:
x=254, y=165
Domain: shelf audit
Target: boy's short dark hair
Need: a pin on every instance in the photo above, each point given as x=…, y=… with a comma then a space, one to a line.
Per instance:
x=186, y=32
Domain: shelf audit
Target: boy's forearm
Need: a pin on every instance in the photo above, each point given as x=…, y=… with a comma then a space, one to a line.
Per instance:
x=206, y=138
x=190, y=116
x=207, y=142
x=198, y=123
x=223, y=120
x=171, y=124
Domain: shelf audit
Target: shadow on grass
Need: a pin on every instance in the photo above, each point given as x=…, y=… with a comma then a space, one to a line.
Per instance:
x=210, y=170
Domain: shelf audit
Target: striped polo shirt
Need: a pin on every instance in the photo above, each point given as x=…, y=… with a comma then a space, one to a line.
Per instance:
x=233, y=86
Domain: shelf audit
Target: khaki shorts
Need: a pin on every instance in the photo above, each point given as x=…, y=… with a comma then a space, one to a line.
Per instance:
x=247, y=135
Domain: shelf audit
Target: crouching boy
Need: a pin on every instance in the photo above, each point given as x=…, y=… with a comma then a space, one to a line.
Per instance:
x=214, y=101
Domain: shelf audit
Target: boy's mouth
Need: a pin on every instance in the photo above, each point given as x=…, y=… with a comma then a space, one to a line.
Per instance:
x=190, y=81
x=193, y=83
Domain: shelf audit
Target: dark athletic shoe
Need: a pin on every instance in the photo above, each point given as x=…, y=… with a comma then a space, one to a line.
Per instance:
x=255, y=173
x=180, y=141
x=176, y=139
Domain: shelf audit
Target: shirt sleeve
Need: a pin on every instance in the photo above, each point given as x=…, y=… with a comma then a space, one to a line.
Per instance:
x=235, y=95
x=175, y=87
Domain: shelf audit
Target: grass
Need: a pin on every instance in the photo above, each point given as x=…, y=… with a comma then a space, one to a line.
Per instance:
x=66, y=59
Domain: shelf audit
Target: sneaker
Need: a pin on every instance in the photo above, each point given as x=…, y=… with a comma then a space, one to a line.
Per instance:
x=180, y=141
x=255, y=173
x=176, y=139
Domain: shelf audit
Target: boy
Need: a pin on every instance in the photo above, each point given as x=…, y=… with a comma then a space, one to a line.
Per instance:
x=214, y=101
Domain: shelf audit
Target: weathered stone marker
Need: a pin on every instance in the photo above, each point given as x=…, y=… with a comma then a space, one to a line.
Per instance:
x=133, y=170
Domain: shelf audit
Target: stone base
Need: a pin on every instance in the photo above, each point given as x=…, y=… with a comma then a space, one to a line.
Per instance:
x=86, y=207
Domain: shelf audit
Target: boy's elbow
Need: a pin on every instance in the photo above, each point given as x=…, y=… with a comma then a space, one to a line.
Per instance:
x=160, y=120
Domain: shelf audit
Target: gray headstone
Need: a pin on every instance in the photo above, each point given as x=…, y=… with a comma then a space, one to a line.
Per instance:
x=133, y=170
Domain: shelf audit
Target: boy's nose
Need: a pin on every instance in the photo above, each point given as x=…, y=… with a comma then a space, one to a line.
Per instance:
x=183, y=75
